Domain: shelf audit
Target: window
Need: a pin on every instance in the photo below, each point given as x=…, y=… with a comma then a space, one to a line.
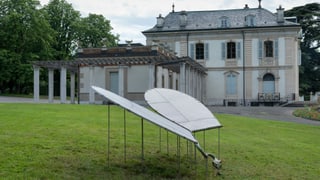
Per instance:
x=199, y=51
x=268, y=47
x=224, y=22
x=250, y=20
x=231, y=83
x=231, y=50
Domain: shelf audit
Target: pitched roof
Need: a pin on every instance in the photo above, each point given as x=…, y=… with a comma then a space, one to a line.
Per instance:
x=208, y=20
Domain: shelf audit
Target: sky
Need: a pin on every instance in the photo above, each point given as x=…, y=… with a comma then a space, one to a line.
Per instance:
x=130, y=17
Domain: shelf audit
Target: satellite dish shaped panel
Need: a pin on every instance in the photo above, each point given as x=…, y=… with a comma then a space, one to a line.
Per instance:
x=182, y=109
x=146, y=114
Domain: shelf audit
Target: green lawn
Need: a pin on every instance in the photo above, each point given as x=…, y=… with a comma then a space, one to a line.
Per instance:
x=56, y=141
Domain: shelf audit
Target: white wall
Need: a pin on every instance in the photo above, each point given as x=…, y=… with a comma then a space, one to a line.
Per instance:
x=138, y=79
x=282, y=52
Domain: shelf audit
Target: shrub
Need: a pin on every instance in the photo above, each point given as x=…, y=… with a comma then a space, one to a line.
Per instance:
x=311, y=112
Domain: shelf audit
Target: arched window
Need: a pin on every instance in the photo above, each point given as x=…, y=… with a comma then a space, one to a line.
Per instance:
x=268, y=83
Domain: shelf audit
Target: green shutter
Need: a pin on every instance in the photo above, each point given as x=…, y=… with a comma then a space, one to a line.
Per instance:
x=223, y=51
x=260, y=50
x=276, y=48
x=206, y=51
x=238, y=55
x=191, y=51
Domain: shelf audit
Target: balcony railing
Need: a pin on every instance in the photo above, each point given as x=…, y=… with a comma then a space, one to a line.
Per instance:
x=269, y=97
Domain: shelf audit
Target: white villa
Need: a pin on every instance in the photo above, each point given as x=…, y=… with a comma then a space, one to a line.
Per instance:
x=250, y=54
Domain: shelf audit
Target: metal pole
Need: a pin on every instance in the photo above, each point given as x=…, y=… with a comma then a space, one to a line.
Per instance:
x=125, y=135
x=179, y=161
x=218, y=143
x=142, y=140
x=167, y=143
x=108, y=153
x=195, y=155
x=204, y=140
x=160, y=138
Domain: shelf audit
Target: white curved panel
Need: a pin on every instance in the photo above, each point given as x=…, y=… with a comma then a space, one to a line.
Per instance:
x=146, y=114
x=182, y=109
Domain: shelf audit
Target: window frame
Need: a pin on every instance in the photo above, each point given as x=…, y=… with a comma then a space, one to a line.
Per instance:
x=231, y=79
x=231, y=50
x=268, y=49
x=199, y=51
x=224, y=22
x=250, y=20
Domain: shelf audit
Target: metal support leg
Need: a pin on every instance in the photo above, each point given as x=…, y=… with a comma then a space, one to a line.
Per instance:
x=125, y=135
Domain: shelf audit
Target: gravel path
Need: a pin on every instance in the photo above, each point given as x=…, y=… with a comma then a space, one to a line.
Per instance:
x=268, y=113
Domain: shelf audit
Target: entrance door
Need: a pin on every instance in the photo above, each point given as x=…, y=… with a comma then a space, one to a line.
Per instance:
x=114, y=82
x=268, y=83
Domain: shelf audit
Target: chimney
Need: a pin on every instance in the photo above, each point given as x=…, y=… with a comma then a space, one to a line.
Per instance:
x=259, y=4
x=160, y=21
x=280, y=15
x=183, y=19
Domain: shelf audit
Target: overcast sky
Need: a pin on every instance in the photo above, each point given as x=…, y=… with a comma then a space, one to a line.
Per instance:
x=130, y=17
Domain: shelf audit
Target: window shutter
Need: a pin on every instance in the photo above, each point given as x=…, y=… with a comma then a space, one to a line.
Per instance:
x=206, y=51
x=260, y=50
x=223, y=51
x=238, y=55
x=254, y=21
x=276, y=48
x=191, y=51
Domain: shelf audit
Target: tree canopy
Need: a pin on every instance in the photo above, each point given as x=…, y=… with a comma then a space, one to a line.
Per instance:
x=29, y=32
x=309, y=18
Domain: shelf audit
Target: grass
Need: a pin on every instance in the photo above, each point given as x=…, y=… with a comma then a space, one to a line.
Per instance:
x=61, y=141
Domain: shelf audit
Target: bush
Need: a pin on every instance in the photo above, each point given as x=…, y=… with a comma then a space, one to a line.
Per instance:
x=312, y=112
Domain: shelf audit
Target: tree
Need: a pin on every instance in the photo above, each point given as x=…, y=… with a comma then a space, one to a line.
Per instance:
x=95, y=31
x=65, y=21
x=309, y=18
x=25, y=36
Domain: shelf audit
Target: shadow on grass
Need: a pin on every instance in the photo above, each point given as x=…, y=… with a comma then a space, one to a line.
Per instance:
x=159, y=166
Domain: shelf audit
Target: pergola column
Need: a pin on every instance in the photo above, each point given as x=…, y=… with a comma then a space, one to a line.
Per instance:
x=91, y=83
x=159, y=77
x=51, y=85
x=166, y=78
x=72, y=87
x=63, y=84
x=151, y=76
x=182, y=81
x=191, y=82
x=36, y=83
x=121, y=80
x=174, y=80
x=188, y=80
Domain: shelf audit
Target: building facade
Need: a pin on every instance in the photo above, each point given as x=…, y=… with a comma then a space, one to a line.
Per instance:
x=251, y=55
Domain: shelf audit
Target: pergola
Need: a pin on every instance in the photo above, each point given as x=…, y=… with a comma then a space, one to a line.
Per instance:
x=188, y=69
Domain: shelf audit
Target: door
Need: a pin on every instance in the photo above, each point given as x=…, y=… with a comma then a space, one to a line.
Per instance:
x=114, y=82
x=268, y=84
